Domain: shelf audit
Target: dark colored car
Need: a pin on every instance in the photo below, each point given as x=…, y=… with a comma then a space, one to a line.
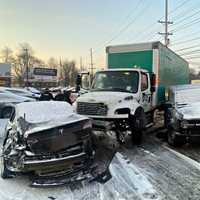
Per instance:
x=49, y=141
x=182, y=116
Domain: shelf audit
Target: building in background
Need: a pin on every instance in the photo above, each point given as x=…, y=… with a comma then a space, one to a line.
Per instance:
x=41, y=77
x=5, y=74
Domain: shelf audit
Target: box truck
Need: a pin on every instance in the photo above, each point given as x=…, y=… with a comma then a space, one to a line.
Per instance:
x=125, y=95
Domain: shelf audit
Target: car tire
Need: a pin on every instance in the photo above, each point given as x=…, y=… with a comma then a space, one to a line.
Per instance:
x=5, y=173
x=175, y=140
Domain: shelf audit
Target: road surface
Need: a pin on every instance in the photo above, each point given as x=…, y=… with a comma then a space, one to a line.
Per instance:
x=150, y=171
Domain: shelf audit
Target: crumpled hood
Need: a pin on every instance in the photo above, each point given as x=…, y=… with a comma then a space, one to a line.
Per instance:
x=190, y=111
x=50, y=123
x=106, y=97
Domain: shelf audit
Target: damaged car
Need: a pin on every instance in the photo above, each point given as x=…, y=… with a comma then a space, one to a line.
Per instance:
x=182, y=115
x=49, y=142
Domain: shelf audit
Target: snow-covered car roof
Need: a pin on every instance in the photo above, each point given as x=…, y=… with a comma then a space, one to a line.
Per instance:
x=47, y=114
x=33, y=90
x=186, y=94
x=19, y=91
x=8, y=97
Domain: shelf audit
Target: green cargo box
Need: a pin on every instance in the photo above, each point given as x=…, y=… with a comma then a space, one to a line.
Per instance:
x=170, y=68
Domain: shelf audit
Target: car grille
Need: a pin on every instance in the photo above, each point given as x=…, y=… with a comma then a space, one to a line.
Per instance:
x=99, y=109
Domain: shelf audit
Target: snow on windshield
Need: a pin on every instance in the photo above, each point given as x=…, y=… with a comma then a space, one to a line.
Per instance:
x=43, y=111
x=188, y=96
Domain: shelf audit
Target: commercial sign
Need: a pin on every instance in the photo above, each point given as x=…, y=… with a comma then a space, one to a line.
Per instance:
x=43, y=74
x=44, y=71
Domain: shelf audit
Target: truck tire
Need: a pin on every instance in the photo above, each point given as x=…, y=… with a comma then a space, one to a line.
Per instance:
x=137, y=124
x=175, y=140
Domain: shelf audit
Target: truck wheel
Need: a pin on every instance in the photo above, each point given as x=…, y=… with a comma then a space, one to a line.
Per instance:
x=5, y=173
x=175, y=140
x=137, y=124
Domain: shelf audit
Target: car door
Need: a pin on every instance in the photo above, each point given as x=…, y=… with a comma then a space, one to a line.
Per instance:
x=145, y=97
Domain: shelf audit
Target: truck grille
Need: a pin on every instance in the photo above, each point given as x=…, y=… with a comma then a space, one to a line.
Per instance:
x=98, y=109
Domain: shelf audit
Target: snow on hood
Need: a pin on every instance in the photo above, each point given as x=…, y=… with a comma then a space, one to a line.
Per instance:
x=190, y=111
x=46, y=114
x=188, y=104
x=104, y=97
x=188, y=96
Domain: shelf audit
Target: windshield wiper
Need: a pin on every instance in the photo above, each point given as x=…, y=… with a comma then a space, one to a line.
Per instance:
x=120, y=90
x=111, y=89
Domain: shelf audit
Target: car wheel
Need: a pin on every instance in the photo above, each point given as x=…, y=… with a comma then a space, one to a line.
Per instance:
x=175, y=140
x=5, y=173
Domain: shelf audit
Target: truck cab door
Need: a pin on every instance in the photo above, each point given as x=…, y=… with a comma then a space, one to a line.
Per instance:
x=145, y=95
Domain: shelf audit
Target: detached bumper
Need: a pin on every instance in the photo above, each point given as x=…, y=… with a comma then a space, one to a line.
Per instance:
x=57, y=165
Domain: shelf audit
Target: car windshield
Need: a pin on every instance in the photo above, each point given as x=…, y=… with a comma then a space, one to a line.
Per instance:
x=120, y=81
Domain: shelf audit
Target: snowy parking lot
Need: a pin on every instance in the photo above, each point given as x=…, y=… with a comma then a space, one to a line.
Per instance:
x=152, y=170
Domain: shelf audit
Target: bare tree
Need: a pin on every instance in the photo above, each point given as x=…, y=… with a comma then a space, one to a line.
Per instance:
x=7, y=54
x=52, y=63
x=68, y=73
x=25, y=60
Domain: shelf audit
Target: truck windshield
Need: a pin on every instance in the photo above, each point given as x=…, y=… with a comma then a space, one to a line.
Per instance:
x=120, y=81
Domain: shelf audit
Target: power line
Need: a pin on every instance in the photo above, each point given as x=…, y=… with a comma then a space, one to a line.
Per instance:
x=184, y=26
x=193, y=57
x=191, y=47
x=184, y=11
x=178, y=7
x=124, y=28
x=186, y=41
x=186, y=18
x=190, y=52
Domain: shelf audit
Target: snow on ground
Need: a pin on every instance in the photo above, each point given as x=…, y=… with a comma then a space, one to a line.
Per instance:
x=127, y=183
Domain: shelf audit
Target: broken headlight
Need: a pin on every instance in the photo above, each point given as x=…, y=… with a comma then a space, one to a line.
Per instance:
x=87, y=125
x=184, y=124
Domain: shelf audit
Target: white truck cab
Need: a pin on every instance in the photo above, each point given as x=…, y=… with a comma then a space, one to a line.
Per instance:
x=123, y=97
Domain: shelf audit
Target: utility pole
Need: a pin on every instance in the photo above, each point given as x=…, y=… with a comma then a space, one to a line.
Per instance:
x=91, y=67
x=27, y=67
x=166, y=23
x=91, y=62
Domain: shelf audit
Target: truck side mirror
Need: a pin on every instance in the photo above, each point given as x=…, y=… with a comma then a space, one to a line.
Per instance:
x=153, y=83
